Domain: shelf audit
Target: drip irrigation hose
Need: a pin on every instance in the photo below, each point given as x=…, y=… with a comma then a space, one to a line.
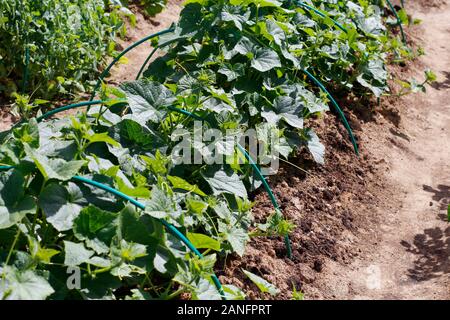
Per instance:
x=173, y=230
x=141, y=70
x=287, y=241
x=124, y=52
x=320, y=13
x=338, y=109
x=168, y=226
x=69, y=107
x=399, y=21
x=152, y=53
x=194, y=116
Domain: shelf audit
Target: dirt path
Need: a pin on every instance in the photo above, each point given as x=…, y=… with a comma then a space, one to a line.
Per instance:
x=408, y=255
x=144, y=27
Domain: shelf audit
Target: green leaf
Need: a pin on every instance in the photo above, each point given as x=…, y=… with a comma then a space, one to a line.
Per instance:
x=137, y=229
x=316, y=148
x=148, y=100
x=96, y=227
x=129, y=251
x=158, y=165
x=180, y=183
x=233, y=293
x=232, y=13
x=285, y=108
x=137, y=192
x=23, y=285
x=263, y=285
x=259, y=3
x=161, y=205
x=232, y=71
x=205, y=290
x=76, y=254
x=40, y=254
x=101, y=137
x=225, y=182
x=201, y=241
x=58, y=169
x=238, y=238
x=28, y=133
x=265, y=60
x=164, y=261
x=61, y=205
x=14, y=204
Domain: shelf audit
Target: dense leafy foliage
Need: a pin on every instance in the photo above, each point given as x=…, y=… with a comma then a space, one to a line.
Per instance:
x=60, y=46
x=236, y=64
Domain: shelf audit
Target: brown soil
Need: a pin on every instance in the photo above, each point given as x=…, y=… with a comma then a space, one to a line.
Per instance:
x=372, y=227
x=144, y=27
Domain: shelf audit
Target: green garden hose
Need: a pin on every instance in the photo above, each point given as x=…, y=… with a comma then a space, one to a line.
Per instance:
x=399, y=21
x=141, y=206
x=320, y=13
x=69, y=107
x=124, y=52
x=338, y=109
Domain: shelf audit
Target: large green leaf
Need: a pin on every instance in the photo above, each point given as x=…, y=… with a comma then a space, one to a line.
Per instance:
x=238, y=238
x=161, y=205
x=54, y=168
x=285, y=108
x=139, y=229
x=201, y=241
x=222, y=181
x=96, y=227
x=148, y=100
x=265, y=60
x=23, y=285
x=61, y=205
x=76, y=254
x=14, y=204
x=261, y=283
x=316, y=148
x=180, y=183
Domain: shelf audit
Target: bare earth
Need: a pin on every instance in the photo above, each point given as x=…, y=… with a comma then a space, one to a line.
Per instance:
x=144, y=27
x=408, y=255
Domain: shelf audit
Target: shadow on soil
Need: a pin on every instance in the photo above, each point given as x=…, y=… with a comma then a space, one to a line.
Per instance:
x=432, y=248
x=444, y=84
x=442, y=196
